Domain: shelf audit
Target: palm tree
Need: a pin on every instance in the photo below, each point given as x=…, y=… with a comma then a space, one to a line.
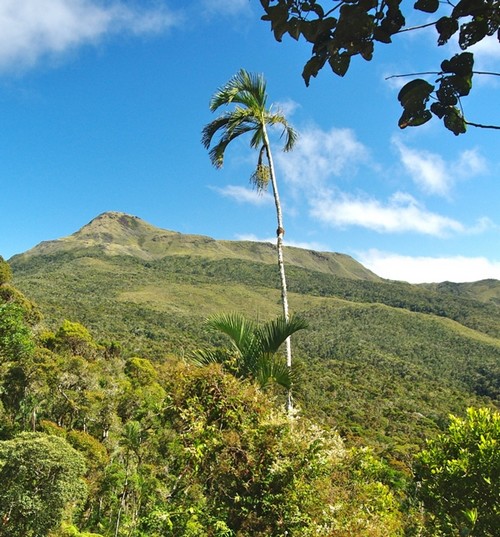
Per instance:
x=251, y=115
x=253, y=348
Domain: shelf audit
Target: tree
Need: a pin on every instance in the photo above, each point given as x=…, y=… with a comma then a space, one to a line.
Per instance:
x=343, y=29
x=75, y=338
x=459, y=476
x=251, y=115
x=253, y=348
x=16, y=340
x=5, y=271
x=41, y=476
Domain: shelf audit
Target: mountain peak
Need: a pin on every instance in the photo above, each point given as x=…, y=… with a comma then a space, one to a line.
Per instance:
x=110, y=225
x=120, y=234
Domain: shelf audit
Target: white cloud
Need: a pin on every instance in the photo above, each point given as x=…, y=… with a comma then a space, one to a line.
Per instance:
x=287, y=107
x=470, y=163
x=319, y=155
x=402, y=213
x=429, y=269
x=428, y=170
x=297, y=244
x=34, y=29
x=432, y=174
x=245, y=195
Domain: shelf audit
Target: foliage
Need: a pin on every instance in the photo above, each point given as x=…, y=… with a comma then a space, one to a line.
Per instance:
x=74, y=337
x=176, y=450
x=68, y=530
x=5, y=271
x=459, y=476
x=262, y=473
x=15, y=335
x=253, y=348
x=339, y=31
x=387, y=378
x=248, y=92
x=386, y=362
x=41, y=478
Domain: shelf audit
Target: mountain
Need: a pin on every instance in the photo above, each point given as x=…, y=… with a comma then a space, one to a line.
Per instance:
x=383, y=361
x=120, y=234
x=484, y=290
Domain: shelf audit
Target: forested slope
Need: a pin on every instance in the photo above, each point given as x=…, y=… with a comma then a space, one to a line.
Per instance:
x=383, y=361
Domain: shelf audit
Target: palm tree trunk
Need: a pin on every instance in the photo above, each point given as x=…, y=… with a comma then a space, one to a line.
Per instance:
x=281, y=263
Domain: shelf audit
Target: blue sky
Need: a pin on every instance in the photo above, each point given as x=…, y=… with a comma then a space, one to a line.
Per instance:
x=102, y=105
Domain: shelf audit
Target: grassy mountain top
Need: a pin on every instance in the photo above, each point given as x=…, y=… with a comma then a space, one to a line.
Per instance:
x=483, y=290
x=120, y=234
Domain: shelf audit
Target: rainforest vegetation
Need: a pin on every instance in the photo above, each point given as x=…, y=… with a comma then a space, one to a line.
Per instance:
x=123, y=413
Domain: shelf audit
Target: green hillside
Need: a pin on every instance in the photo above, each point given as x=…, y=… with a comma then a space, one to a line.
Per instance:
x=383, y=361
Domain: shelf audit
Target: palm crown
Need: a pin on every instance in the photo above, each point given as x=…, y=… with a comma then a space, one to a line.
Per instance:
x=250, y=115
x=253, y=348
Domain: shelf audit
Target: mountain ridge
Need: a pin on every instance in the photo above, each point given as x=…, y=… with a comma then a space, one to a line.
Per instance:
x=117, y=233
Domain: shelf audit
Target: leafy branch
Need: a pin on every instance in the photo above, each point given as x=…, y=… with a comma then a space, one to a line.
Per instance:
x=352, y=27
x=454, y=81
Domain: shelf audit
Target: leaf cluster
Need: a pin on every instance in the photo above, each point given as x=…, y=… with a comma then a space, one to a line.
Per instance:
x=341, y=30
x=459, y=473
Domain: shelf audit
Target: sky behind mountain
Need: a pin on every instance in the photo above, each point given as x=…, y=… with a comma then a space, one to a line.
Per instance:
x=103, y=103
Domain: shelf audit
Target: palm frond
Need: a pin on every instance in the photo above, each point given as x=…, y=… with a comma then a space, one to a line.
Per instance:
x=218, y=151
x=211, y=129
x=229, y=361
x=243, y=88
x=229, y=126
x=239, y=329
x=271, y=369
x=274, y=333
x=258, y=137
x=202, y=357
x=288, y=132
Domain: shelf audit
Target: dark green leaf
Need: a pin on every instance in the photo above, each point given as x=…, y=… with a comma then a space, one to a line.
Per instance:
x=466, y=8
x=454, y=122
x=446, y=27
x=393, y=22
x=366, y=50
x=428, y=6
x=381, y=35
x=472, y=32
x=311, y=30
x=278, y=15
x=318, y=10
x=415, y=94
x=340, y=63
x=438, y=109
x=460, y=64
x=294, y=28
x=312, y=68
x=446, y=92
x=414, y=119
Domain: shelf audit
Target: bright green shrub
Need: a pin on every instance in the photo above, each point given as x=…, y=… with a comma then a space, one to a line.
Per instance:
x=459, y=476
